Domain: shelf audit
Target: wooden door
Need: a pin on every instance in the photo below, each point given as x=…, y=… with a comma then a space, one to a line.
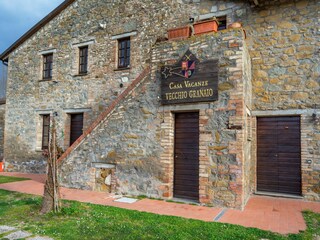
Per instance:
x=76, y=127
x=279, y=155
x=186, y=153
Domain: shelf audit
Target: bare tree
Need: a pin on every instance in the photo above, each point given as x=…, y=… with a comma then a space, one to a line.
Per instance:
x=51, y=193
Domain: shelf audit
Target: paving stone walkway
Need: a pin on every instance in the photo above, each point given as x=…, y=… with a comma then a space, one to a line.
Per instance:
x=281, y=215
x=11, y=233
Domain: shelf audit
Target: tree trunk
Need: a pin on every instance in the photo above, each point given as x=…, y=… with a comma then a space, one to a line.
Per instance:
x=51, y=193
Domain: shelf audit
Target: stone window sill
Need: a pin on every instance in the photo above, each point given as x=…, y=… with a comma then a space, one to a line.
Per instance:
x=47, y=80
x=103, y=165
x=81, y=75
x=121, y=69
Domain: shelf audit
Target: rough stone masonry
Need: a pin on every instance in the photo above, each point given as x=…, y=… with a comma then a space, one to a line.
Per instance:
x=274, y=71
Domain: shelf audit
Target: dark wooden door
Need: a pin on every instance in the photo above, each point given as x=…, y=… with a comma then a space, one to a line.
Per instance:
x=76, y=127
x=279, y=155
x=186, y=156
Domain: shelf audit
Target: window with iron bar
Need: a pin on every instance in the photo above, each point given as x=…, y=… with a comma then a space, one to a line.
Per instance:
x=83, y=60
x=124, y=53
x=47, y=66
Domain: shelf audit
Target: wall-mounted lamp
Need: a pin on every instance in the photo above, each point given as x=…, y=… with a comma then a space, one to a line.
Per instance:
x=316, y=118
x=191, y=20
x=309, y=161
x=102, y=25
x=314, y=115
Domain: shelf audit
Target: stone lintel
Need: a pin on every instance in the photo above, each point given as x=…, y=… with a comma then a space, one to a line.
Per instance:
x=124, y=35
x=286, y=112
x=48, y=51
x=85, y=43
x=202, y=106
x=44, y=111
x=103, y=165
x=76, y=110
x=212, y=15
x=207, y=16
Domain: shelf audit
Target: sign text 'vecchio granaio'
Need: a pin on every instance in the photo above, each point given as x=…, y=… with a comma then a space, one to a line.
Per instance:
x=189, y=81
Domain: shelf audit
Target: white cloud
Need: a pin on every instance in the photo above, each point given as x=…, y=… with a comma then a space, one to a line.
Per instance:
x=18, y=16
x=34, y=8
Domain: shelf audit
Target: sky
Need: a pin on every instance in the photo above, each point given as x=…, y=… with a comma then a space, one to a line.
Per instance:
x=18, y=16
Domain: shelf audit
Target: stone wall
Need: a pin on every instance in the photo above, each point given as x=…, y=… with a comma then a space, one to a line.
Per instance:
x=2, y=114
x=141, y=147
x=310, y=154
x=310, y=135
x=85, y=21
x=82, y=21
x=127, y=138
x=283, y=38
x=283, y=41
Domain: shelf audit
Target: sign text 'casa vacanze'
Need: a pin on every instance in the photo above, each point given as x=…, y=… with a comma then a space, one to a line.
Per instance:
x=189, y=81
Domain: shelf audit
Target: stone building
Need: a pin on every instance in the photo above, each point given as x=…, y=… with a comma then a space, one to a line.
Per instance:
x=3, y=84
x=214, y=117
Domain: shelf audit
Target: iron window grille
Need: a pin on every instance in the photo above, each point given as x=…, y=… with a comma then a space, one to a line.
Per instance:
x=124, y=53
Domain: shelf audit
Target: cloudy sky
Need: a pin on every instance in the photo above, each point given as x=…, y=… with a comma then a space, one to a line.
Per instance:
x=18, y=16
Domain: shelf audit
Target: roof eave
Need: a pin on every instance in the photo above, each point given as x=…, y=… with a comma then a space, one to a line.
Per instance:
x=4, y=56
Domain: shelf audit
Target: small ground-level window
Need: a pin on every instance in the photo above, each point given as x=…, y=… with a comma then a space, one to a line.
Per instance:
x=124, y=53
x=222, y=22
x=45, y=131
x=47, y=66
x=83, y=60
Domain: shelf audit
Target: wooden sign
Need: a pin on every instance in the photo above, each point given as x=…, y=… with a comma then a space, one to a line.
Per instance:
x=189, y=81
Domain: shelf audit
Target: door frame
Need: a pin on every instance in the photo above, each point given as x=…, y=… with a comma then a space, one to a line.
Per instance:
x=67, y=123
x=279, y=113
x=167, y=116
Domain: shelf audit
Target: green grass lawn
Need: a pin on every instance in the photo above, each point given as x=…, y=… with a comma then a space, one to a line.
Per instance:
x=7, y=179
x=88, y=221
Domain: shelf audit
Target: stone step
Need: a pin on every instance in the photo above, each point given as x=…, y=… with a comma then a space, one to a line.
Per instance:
x=13, y=233
x=5, y=229
x=18, y=235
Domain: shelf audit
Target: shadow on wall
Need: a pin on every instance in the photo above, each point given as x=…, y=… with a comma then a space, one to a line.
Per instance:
x=3, y=81
x=19, y=157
